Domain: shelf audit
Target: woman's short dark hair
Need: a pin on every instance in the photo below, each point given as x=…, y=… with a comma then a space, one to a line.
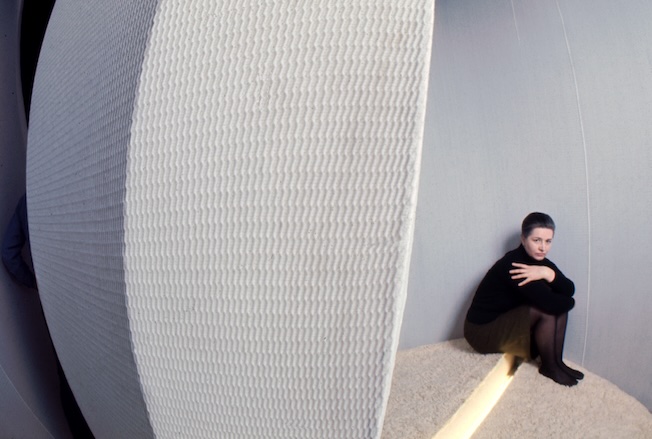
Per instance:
x=535, y=220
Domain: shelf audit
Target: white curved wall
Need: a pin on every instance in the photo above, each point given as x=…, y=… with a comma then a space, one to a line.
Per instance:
x=221, y=201
x=540, y=106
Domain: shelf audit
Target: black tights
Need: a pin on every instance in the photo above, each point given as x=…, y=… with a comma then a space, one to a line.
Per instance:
x=548, y=333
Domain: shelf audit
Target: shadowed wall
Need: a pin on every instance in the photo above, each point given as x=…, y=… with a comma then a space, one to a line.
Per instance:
x=29, y=394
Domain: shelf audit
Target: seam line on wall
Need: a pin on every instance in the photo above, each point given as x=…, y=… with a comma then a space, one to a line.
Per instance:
x=518, y=35
x=586, y=176
x=25, y=402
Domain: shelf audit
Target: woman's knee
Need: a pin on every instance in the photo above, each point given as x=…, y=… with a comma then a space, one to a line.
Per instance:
x=537, y=316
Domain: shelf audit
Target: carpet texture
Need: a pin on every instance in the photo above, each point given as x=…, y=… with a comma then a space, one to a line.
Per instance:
x=431, y=382
x=535, y=407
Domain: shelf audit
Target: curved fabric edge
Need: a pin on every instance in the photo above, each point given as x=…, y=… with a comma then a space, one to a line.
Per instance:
x=81, y=116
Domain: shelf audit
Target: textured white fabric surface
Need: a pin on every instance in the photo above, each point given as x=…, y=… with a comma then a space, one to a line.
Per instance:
x=270, y=198
x=222, y=197
x=82, y=105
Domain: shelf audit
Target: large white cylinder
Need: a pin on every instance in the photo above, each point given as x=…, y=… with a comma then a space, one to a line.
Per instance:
x=221, y=200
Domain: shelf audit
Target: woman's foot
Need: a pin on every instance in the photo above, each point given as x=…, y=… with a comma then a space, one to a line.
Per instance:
x=558, y=376
x=571, y=372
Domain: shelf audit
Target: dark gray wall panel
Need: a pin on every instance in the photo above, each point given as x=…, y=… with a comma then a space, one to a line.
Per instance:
x=29, y=388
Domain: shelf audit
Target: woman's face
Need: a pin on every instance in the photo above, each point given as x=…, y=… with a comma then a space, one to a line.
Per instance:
x=538, y=243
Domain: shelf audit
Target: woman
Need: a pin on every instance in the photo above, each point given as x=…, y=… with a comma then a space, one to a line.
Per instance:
x=522, y=304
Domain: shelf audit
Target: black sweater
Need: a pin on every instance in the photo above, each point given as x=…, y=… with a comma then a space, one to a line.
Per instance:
x=499, y=293
x=15, y=238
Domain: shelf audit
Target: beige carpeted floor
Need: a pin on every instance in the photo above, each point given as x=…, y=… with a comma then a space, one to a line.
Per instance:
x=431, y=382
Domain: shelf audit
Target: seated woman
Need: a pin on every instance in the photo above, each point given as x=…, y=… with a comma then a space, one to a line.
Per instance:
x=522, y=304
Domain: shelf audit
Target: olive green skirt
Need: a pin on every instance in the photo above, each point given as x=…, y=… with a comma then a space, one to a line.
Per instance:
x=509, y=333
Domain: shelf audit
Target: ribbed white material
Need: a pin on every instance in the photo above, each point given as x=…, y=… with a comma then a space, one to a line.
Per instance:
x=271, y=176
x=80, y=123
x=270, y=196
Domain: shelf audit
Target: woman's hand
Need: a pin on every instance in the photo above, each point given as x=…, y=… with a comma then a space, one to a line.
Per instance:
x=531, y=273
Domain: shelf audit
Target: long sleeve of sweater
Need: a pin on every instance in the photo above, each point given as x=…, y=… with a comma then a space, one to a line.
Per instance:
x=552, y=298
x=499, y=293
